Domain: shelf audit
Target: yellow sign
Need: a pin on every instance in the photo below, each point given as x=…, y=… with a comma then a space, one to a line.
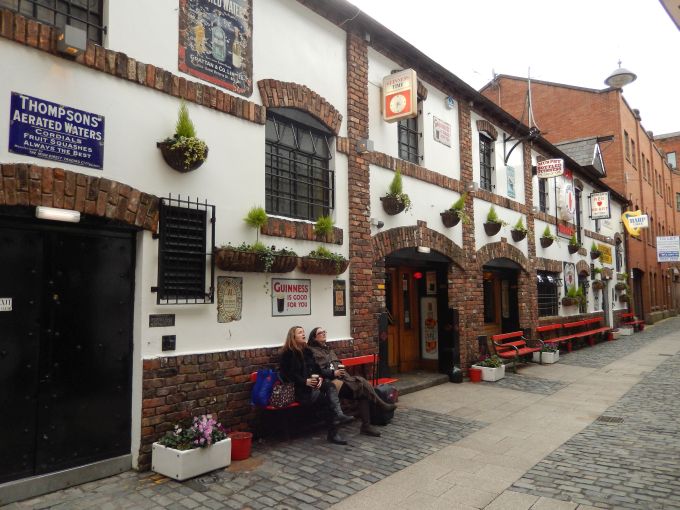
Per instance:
x=634, y=221
x=605, y=253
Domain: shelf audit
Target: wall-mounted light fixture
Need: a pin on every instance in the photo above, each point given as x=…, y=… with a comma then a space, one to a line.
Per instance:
x=535, y=209
x=364, y=145
x=472, y=186
x=51, y=213
x=423, y=249
x=72, y=41
x=377, y=223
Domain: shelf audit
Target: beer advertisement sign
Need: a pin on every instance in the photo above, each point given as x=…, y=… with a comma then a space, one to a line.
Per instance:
x=215, y=42
x=291, y=297
x=399, y=94
x=549, y=168
x=599, y=206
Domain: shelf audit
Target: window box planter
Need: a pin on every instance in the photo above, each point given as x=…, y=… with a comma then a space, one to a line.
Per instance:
x=492, y=228
x=614, y=334
x=568, y=301
x=546, y=358
x=450, y=218
x=573, y=248
x=316, y=265
x=491, y=374
x=595, y=254
x=625, y=331
x=175, y=158
x=230, y=259
x=546, y=241
x=518, y=235
x=183, y=464
x=392, y=205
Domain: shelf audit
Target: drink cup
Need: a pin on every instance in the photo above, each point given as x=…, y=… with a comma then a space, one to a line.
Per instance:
x=342, y=368
x=315, y=378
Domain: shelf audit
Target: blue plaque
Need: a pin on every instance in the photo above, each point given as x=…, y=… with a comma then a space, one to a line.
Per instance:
x=47, y=130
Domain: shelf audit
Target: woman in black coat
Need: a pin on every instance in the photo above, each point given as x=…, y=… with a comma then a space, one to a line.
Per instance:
x=349, y=386
x=312, y=383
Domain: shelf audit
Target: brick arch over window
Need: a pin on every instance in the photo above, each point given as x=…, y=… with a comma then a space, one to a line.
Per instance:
x=31, y=185
x=487, y=127
x=398, y=238
x=282, y=94
x=501, y=250
x=582, y=267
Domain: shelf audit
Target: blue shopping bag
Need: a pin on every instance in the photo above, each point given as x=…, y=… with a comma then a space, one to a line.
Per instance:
x=262, y=390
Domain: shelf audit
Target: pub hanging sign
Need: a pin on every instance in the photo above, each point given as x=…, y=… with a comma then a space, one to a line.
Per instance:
x=46, y=130
x=215, y=42
x=599, y=206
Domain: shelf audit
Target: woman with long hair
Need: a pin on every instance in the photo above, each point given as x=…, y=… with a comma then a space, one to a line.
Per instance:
x=349, y=386
x=312, y=383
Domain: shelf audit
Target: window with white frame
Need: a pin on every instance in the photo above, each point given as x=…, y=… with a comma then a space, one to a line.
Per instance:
x=547, y=293
x=409, y=140
x=672, y=161
x=486, y=158
x=543, y=202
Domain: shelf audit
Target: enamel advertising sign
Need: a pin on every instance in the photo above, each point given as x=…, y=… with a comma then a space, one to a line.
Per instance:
x=549, y=168
x=599, y=206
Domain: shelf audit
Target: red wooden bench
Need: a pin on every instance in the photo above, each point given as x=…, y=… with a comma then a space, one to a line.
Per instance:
x=569, y=328
x=513, y=346
x=366, y=361
x=593, y=329
x=628, y=319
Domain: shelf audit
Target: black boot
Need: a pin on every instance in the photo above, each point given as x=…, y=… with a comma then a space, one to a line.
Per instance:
x=375, y=398
x=365, y=415
x=334, y=436
x=339, y=417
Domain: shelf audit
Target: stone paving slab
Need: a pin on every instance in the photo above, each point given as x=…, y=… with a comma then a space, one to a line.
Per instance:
x=628, y=458
x=307, y=472
x=521, y=382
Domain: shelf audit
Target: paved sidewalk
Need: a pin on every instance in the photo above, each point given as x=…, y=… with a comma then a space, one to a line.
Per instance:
x=530, y=441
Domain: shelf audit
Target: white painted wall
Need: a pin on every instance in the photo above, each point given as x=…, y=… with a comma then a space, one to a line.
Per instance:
x=232, y=178
x=436, y=156
x=286, y=37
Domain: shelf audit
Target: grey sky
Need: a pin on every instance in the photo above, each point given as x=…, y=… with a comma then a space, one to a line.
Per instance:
x=577, y=42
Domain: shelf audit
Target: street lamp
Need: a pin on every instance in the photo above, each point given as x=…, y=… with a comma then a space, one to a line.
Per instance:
x=620, y=77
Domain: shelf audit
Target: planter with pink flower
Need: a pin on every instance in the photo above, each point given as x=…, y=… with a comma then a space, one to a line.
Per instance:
x=186, y=452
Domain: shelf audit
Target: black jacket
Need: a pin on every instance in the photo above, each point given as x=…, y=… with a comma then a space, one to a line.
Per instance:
x=297, y=369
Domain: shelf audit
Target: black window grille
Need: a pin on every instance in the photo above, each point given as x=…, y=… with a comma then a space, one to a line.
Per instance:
x=85, y=14
x=186, y=270
x=543, y=195
x=408, y=140
x=489, y=300
x=485, y=161
x=584, y=284
x=299, y=182
x=577, y=194
x=547, y=294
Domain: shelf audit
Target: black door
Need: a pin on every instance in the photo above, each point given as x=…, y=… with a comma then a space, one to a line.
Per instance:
x=65, y=347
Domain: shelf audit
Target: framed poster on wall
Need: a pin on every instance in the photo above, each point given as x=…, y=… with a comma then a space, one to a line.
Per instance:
x=429, y=328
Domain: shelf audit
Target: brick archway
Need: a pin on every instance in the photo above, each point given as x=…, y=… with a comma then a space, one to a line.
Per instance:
x=582, y=267
x=31, y=185
x=398, y=238
x=502, y=250
x=282, y=94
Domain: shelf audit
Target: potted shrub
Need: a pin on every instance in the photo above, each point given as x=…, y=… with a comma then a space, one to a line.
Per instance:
x=493, y=222
x=622, y=276
x=573, y=246
x=186, y=452
x=597, y=273
x=183, y=151
x=621, y=286
x=594, y=251
x=323, y=228
x=322, y=261
x=492, y=368
x=549, y=353
x=573, y=296
x=547, y=238
x=256, y=257
x=624, y=298
x=519, y=231
x=396, y=200
x=598, y=285
x=452, y=216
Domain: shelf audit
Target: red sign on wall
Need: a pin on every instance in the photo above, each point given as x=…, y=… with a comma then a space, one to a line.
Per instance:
x=400, y=95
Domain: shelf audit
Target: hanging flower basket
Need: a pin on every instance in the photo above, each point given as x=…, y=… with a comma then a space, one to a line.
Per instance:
x=450, y=218
x=230, y=259
x=176, y=158
x=598, y=285
x=595, y=254
x=624, y=298
x=546, y=241
x=573, y=248
x=315, y=265
x=518, y=235
x=620, y=286
x=569, y=301
x=392, y=205
x=492, y=228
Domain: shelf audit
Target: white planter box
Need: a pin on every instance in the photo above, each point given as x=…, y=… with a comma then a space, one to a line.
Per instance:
x=492, y=374
x=626, y=331
x=615, y=334
x=548, y=357
x=183, y=464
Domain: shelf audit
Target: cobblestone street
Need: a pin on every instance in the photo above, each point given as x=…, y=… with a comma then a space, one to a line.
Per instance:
x=600, y=429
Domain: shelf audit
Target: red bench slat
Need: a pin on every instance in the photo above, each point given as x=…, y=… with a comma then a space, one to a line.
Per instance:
x=549, y=327
x=505, y=336
x=359, y=360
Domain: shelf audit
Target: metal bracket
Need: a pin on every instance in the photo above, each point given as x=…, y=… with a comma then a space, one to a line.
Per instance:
x=532, y=135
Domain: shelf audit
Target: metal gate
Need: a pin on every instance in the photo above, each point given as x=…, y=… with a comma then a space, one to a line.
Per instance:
x=66, y=305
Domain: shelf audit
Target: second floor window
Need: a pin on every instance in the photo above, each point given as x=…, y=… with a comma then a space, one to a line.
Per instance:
x=408, y=140
x=626, y=142
x=485, y=162
x=299, y=182
x=85, y=14
x=672, y=162
x=543, y=195
x=677, y=202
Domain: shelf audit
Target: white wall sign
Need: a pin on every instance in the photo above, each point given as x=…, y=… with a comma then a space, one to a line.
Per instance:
x=600, y=206
x=510, y=173
x=429, y=327
x=567, y=197
x=549, y=168
x=668, y=248
x=399, y=93
x=442, y=131
x=291, y=297
x=5, y=304
x=229, y=298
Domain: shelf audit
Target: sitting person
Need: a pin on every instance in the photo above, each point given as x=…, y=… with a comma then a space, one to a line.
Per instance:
x=312, y=383
x=349, y=386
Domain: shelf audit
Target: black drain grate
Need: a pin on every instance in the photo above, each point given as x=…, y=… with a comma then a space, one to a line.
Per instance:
x=610, y=419
x=664, y=354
